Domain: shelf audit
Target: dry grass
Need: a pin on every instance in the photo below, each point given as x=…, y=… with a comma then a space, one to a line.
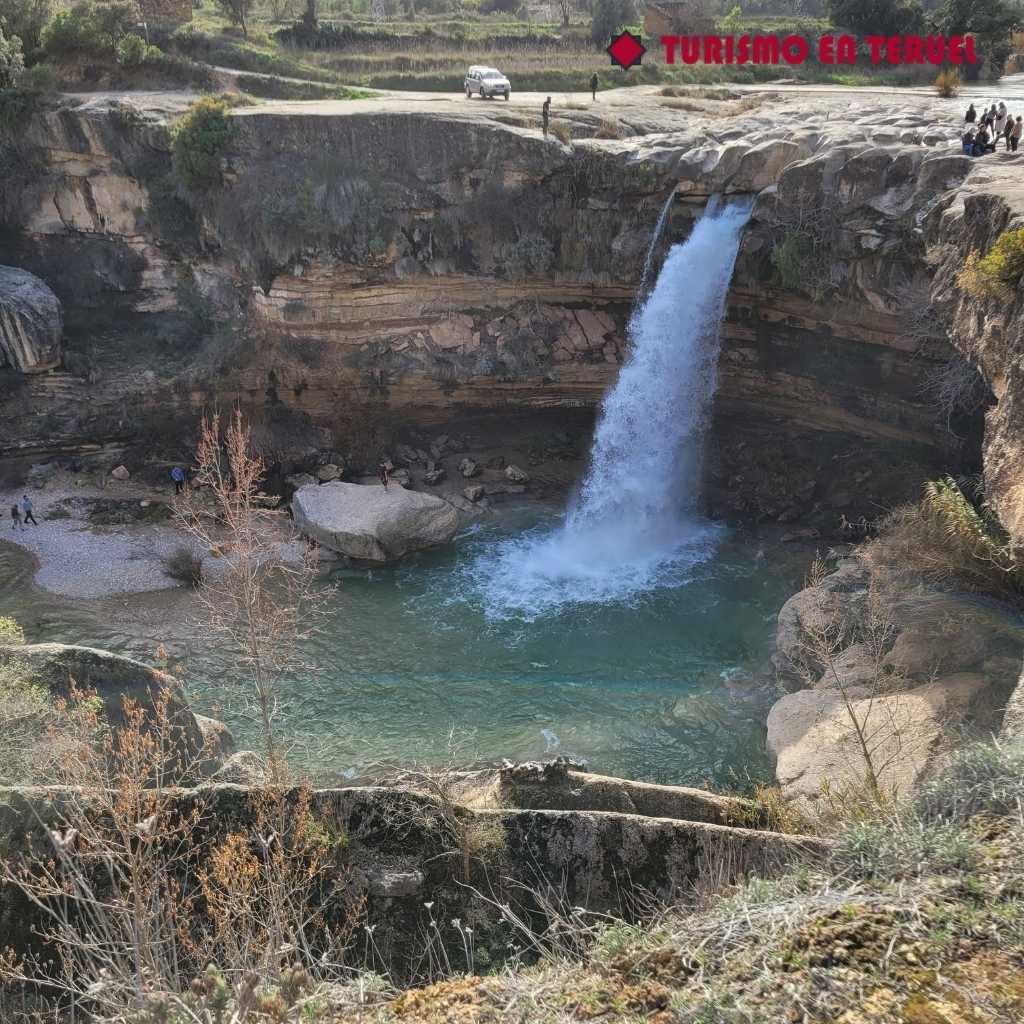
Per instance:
x=919, y=912
x=561, y=131
x=470, y=838
x=709, y=106
x=947, y=83
x=688, y=105
x=947, y=541
x=609, y=128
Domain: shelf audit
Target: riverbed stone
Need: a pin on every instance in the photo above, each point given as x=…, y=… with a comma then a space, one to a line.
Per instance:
x=516, y=475
x=372, y=523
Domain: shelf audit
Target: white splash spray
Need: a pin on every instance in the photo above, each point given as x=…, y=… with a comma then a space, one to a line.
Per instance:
x=635, y=526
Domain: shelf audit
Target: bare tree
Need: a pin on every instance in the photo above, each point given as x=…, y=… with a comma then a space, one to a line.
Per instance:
x=237, y=11
x=871, y=705
x=263, y=600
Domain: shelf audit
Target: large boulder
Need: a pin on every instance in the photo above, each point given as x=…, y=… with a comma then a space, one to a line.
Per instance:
x=31, y=322
x=816, y=735
x=200, y=743
x=372, y=523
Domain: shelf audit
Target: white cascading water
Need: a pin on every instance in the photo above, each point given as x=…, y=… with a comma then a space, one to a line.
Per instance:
x=634, y=526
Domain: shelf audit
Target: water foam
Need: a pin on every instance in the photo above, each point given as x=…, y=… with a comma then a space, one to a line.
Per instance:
x=634, y=527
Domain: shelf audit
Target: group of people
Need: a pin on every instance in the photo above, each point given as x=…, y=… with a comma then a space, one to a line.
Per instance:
x=984, y=130
x=21, y=514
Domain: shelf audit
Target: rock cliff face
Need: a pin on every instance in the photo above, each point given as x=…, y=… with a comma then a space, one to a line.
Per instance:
x=31, y=322
x=409, y=268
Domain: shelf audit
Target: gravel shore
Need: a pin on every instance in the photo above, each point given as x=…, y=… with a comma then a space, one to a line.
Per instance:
x=78, y=559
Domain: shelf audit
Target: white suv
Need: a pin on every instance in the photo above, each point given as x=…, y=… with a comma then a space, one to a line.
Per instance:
x=488, y=82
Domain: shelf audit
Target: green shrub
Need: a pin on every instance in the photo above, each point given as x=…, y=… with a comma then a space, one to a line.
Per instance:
x=906, y=848
x=998, y=273
x=12, y=62
x=10, y=631
x=25, y=19
x=88, y=27
x=949, y=542
x=201, y=139
x=793, y=258
x=183, y=565
x=980, y=779
x=131, y=50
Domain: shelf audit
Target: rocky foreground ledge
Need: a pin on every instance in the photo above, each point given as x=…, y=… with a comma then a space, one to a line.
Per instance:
x=405, y=854
x=521, y=829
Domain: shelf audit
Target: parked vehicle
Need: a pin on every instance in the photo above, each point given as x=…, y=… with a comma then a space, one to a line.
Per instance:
x=488, y=82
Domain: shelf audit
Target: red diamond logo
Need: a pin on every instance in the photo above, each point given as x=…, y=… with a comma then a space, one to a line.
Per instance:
x=626, y=50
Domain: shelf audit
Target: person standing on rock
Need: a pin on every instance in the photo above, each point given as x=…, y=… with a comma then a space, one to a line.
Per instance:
x=544, y=113
x=593, y=86
x=178, y=476
x=26, y=508
x=384, y=475
x=998, y=127
x=15, y=517
x=972, y=115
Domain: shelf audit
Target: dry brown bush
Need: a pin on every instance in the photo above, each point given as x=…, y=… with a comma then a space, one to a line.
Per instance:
x=946, y=541
x=151, y=909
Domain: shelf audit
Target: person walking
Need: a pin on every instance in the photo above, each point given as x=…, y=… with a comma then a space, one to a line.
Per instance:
x=178, y=476
x=384, y=477
x=972, y=115
x=1015, y=133
x=593, y=86
x=544, y=113
x=26, y=508
x=15, y=517
x=998, y=126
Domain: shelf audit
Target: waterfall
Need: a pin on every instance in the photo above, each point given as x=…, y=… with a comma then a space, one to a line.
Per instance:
x=652, y=249
x=634, y=526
